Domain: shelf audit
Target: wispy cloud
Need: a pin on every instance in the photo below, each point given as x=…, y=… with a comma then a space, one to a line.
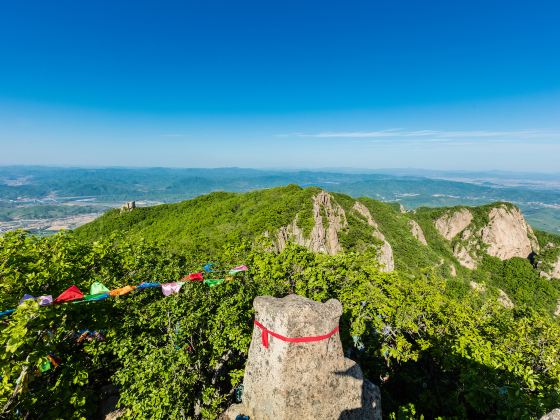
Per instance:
x=433, y=134
x=173, y=135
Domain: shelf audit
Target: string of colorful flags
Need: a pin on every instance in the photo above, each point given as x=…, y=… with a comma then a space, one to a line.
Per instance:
x=98, y=291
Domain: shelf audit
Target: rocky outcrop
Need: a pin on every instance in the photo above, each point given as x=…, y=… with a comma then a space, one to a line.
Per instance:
x=477, y=287
x=329, y=219
x=553, y=415
x=385, y=256
x=504, y=299
x=452, y=223
x=508, y=235
x=326, y=239
x=290, y=233
x=417, y=232
x=550, y=270
x=453, y=270
x=464, y=256
x=553, y=272
x=307, y=380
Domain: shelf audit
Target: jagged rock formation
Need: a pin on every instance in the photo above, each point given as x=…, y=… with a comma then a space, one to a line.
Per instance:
x=508, y=235
x=324, y=235
x=550, y=270
x=452, y=223
x=385, y=251
x=292, y=233
x=417, y=232
x=553, y=415
x=310, y=380
x=464, y=256
x=504, y=299
x=329, y=219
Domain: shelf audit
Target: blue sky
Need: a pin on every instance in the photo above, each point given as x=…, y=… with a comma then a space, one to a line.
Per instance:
x=282, y=84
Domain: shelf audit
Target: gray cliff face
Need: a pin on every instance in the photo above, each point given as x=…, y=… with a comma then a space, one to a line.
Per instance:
x=417, y=232
x=502, y=233
x=385, y=256
x=309, y=380
x=506, y=235
x=452, y=223
x=329, y=220
x=322, y=239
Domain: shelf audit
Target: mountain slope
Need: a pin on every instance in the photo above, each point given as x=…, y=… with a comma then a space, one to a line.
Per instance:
x=332, y=223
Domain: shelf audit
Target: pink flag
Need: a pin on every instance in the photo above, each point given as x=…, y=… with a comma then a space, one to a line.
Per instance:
x=45, y=300
x=170, y=288
x=240, y=268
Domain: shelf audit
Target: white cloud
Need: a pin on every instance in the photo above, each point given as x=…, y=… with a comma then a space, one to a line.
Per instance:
x=432, y=134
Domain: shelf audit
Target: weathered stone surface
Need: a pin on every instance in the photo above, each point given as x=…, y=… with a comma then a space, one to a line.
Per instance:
x=452, y=223
x=553, y=415
x=477, y=286
x=552, y=272
x=385, y=255
x=417, y=232
x=555, y=271
x=464, y=256
x=504, y=300
x=326, y=240
x=453, y=270
x=508, y=234
x=324, y=235
x=302, y=380
x=290, y=233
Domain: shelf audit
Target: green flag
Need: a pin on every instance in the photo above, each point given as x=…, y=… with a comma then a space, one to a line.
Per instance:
x=98, y=288
x=213, y=282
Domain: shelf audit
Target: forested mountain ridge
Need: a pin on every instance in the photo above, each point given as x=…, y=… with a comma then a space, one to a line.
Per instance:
x=475, y=244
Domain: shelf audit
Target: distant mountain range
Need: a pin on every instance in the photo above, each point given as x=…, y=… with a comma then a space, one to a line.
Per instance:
x=29, y=194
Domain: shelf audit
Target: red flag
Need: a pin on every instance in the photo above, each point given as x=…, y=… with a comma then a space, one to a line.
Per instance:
x=72, y=293
x=194, y=277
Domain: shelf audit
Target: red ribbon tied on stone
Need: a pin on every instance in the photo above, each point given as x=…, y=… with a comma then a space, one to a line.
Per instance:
x=265, y=332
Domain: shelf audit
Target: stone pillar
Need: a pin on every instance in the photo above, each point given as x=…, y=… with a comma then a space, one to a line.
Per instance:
x=307, y=380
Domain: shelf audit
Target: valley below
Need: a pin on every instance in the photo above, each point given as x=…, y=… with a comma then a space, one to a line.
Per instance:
x=45, y=200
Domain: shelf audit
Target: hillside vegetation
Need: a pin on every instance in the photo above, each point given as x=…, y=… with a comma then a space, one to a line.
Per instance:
x=438, y=338
x=202, y=226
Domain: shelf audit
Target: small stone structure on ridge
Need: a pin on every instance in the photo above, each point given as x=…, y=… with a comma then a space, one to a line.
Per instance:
x=129, y=206
x=296, y=367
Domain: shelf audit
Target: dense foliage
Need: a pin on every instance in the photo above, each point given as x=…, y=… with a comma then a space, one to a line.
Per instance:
x=434, y=346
